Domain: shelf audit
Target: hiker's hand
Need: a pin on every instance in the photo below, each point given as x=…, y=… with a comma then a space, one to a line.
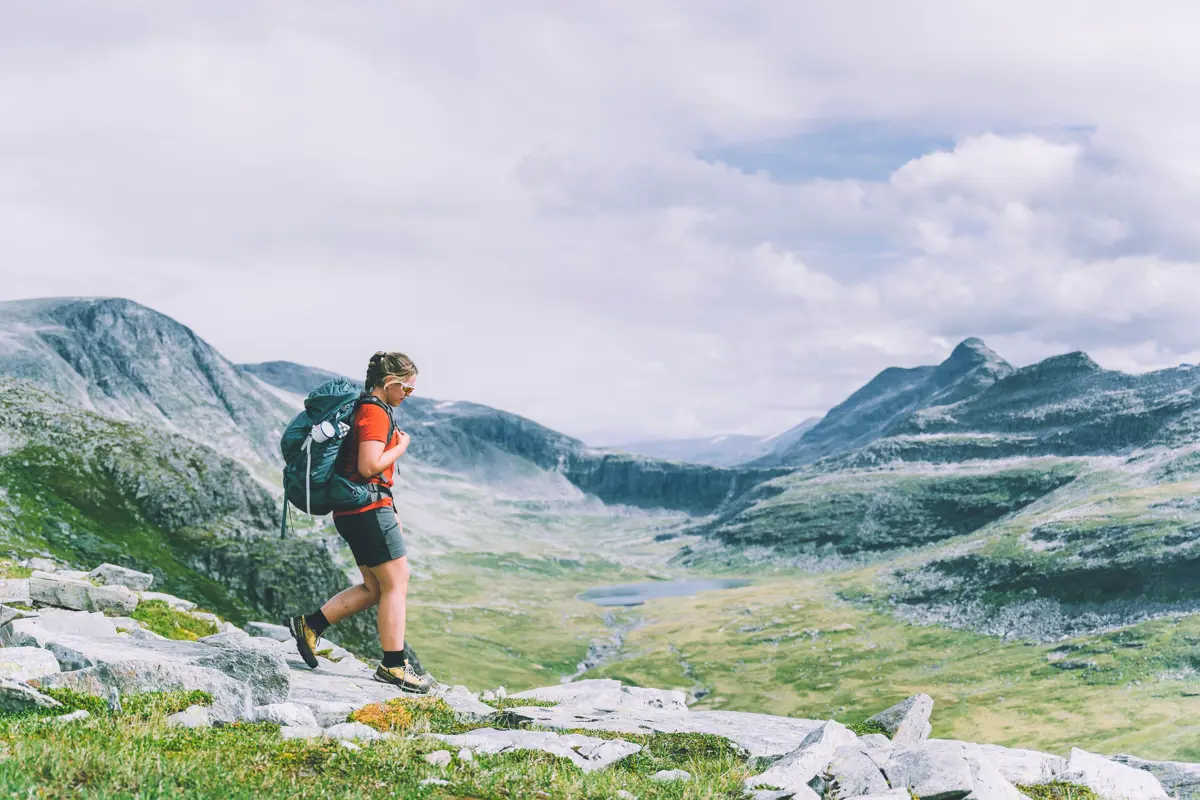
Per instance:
x=403, y=440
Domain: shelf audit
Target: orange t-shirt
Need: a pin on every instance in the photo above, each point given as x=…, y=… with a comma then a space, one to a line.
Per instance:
x=370, y=424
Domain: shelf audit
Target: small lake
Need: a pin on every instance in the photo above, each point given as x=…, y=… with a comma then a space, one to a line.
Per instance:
x=634, y=594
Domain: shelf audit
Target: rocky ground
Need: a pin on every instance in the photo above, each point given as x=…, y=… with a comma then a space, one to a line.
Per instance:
x=68, y=635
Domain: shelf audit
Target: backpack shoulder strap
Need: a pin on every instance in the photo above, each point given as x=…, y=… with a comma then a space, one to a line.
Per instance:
x=366, y=397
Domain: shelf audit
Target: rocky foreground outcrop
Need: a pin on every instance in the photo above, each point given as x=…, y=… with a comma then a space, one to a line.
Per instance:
x=255, y=674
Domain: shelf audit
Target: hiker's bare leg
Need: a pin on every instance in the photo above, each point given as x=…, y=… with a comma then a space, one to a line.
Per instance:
x=353, y=600
x=393, y=595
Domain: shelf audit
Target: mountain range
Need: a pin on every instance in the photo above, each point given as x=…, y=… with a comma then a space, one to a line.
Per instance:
x=720, y=450
x=981, y=492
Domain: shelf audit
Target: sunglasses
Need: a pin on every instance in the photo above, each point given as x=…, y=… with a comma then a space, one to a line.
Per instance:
x=407, y=387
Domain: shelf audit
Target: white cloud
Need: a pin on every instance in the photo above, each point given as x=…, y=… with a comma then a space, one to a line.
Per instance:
x=509, y=192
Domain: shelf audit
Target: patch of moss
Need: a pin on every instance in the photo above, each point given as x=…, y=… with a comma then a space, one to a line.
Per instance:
x=392, y=715
x=152, y=704
x=74, y=701
x=508, y=702
x=171, y=623
x=866, y=727
x=1059, y=791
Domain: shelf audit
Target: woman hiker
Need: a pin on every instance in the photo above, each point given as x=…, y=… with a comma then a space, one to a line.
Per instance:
x=373, y=531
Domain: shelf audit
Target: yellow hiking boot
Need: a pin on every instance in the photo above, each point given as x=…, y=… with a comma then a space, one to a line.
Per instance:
x=306, y=640
x=404, y=677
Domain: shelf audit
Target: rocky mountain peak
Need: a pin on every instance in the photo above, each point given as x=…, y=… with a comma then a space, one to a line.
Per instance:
x=971, y=354
x=124, y=360
x=1077, y=361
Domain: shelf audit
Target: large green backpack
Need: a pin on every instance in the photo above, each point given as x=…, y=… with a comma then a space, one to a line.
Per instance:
x=312, y=445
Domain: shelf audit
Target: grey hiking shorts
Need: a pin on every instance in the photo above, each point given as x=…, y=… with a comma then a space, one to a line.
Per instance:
x=374, y=536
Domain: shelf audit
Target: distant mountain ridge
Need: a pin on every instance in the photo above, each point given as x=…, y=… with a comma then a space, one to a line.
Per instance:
x=722, y=450
x=289, y=376
x=126, y=361
x=890, y=398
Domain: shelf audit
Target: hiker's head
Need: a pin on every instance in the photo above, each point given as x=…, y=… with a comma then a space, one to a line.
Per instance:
x=391, y=377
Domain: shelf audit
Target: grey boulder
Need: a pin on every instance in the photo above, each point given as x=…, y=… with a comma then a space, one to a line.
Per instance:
x=907, y=722
x=293, y=714
x=266, y=674
x=22, y=663
x=22, y=697
x=1027, y=767
x=668, y=775
x=231, y=698
x=191, y=717
x=113, y=575
x=355, y=731
x=56, y=589
x=1110, y=779
x=1177, y=777
x=807, y=761
x=934, y=770
x=852, y=772
x=586, y=752
x=329, y=713
x=876, y=747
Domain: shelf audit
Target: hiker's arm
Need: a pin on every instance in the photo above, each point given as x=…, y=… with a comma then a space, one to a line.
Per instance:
x=373, y=459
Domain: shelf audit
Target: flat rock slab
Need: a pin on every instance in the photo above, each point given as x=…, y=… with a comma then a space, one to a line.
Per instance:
x=62, y=591
x=22, y=663
x=761, y=735
x=79, y=651
x=608, y=695
x=586, y=752
x=1027, y=767
x=1111, y=780
x=113, y=575
x=269, y=630
x=14, y=590
x=84, y=623
x=1177, y=777
x=231, y=698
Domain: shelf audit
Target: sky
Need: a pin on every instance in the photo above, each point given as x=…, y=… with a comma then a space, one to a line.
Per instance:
x=623, y=219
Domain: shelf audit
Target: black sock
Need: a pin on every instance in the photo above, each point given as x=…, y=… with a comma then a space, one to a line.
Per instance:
x=393, y=658
x=317, y=622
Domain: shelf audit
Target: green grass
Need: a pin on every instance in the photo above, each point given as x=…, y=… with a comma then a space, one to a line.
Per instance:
x=789, y=645
x=1059, y=791
x=172, y=623
x=133, y=754
x=10, y=570
x=79, y=515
